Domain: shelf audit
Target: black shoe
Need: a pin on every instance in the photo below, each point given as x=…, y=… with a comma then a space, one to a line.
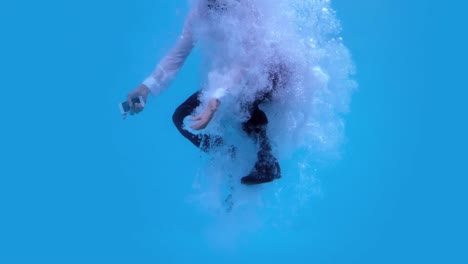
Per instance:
x=264, y=171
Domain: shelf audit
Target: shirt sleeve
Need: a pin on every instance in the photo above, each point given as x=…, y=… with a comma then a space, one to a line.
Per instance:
x=168, y=67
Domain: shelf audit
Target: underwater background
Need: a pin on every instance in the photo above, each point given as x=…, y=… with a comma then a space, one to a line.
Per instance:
x=79, y=185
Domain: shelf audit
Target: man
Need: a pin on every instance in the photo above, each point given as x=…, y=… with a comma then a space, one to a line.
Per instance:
x=266, y=168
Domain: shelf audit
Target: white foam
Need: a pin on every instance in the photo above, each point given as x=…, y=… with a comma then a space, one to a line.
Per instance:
x=305, y=118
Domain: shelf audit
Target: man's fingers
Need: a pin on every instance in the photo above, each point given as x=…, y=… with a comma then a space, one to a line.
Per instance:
x=138, y=108
x=196, y=126
x=124, y=116
x=199, y=125
x=129, y=100
x=130, y=104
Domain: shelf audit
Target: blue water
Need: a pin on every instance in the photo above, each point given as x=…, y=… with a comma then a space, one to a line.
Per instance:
x=79, y=185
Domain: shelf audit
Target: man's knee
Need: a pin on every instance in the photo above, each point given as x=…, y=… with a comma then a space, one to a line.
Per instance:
x=257, y=122
x=185, y=109
x=178, y=117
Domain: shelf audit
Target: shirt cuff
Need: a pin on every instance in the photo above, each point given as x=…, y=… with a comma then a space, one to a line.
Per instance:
x=152, y=84
x=219, y=93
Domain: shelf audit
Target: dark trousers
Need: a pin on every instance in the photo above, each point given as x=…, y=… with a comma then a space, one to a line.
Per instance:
x=255, y=127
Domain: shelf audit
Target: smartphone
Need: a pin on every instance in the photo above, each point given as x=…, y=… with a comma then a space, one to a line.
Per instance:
x=125, y=107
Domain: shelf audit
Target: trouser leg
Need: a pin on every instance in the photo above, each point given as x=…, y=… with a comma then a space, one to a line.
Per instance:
x=202, y=141
x=266, y=168
x=256, y=127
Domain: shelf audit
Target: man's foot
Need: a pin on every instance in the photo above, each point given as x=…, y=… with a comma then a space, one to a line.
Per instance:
x=265, y=170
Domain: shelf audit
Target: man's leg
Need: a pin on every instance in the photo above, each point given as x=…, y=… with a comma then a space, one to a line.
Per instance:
x=204, y=142
x=266, y=168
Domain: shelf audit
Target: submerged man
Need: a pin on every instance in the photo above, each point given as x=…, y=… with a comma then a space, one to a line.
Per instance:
x=266, y=168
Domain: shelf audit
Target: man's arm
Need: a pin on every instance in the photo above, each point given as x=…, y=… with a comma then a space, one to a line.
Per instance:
x=168, y=67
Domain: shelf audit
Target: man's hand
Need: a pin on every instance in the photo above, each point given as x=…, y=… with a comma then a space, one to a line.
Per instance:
x=142, y=91
x=205, y=117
